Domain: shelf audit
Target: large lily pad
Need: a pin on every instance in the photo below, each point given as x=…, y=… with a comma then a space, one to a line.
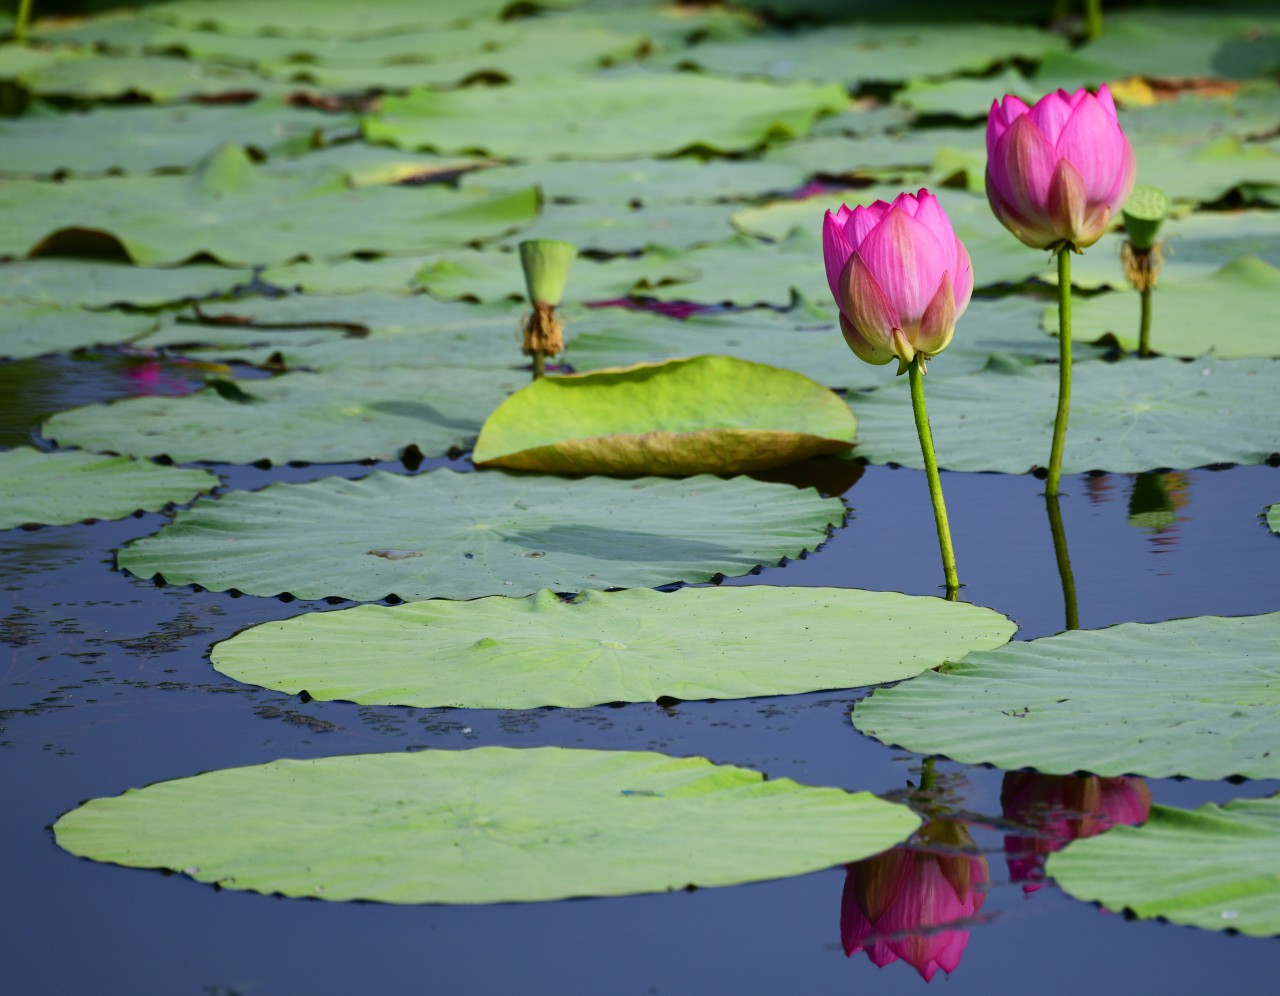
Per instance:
x=608, y=228
x=706, y=414
x=28, y=329
x=449, y=535
x=628, y=646
x=1216, y=867
x=107, y=77
x=1083, y=701
x=483, y=826
x=61, y=488
x=236, y=212
x=744, y=271
x=1209, y=170
x=615, y=118
x=93, y=284
x=342, y=415
x=138, y=139
x=1126, y=417
x=1188, y=317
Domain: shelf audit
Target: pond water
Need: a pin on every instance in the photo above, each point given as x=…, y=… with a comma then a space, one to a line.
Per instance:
x=106, y=686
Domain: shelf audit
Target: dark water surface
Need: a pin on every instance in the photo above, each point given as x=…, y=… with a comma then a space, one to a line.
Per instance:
x=106, y=686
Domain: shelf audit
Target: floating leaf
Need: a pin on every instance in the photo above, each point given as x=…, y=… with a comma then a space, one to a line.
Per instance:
x=615, y=118
x=92, y=284
x=61, y=488
x=1207, y=171
x=964, y=96
x=707, y=414
x=627, y=646
x=1126, y=417
x=376, y=165
x=620, y=229
x=1188, y=317
x=337, y=416
x=28, y=329
x=482, y=534
x=1214, y=867
x=107, y=77
x=1082, y=701
x=139, y=139
x=240, y=214
x=483, y=826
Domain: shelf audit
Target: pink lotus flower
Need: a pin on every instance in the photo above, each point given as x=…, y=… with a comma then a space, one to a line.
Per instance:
x=1057, y=172
x=894, y=903
x=899, y=275
x=1063, y=808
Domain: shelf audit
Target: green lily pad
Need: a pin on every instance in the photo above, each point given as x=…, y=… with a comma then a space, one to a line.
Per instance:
x=856, y=54
x=707, y=414
x=615, y=118
x=1025, y=705
x=1214, y=867
x=374, y=165
x=93, y=284
x=488, y=825
x=965, y=96
x=627, y=646
x=236, y=212
x=1192, y=118
x=141, y=139
x=745, y=272
x=1209, y=170
x=1187, y=318
x=108, y=77
x=491, y=533
x=61, y=488
x=646, y=181
x=611, y=228
x=336, y=416
x=28, y=329
x=1126, y=417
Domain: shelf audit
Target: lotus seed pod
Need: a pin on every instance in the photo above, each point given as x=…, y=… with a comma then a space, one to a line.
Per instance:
x=1144, y=212
x=546, y=265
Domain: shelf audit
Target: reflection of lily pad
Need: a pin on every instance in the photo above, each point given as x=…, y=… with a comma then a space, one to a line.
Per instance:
x=336, y=416
x=628, y=646
x=36, y=329
x=1188, y=317
x=707, y=414
x=240, y=214
x=1126, y=417
x=483, y=826
x=1273, y=518
x=615, y=118
x=61, y=488
x=1216, y=867
x=1083, y=701
x=482, y=534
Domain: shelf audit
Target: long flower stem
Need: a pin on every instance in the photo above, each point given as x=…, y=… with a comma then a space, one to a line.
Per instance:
x=1144, y=328
x=1092, y=18
x=24, y=18
x=539, y=365
x=935, y=483
x=1060, y=554
x=1064, y=371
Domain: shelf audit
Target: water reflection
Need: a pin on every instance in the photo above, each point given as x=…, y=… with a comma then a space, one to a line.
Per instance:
x=1058, y=809
x=1154, y=504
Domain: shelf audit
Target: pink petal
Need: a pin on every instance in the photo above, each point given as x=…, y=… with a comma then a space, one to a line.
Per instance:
x=1035, y=234
x=869, y=311
x=1051, y=114
x=963, y=282
x=1107, y=101
x=862, y=220
x=1094, y=144
x=835, y=251
x=1022, y=169
x=939, y=320
x=1001, y=116
x=907, y=261
x=1125, y=177
x=930, y=214
x=864, y=348
x=1067, y=203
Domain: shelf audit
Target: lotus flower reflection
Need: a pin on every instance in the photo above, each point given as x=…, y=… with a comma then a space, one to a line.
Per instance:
x=895, y=902
x=1058, y=171
x=899, y=275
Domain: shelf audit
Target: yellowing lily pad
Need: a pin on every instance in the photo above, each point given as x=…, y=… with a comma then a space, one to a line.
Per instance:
x=707, y=414
x=483, y=826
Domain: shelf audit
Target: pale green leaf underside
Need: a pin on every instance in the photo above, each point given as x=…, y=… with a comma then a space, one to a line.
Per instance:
x=61, y=488
x=1126, y=417
x=1216, y=867
x=705, y=414
x=483, y=826
x=1194, y=697
x=629, y=646
x=450, y=535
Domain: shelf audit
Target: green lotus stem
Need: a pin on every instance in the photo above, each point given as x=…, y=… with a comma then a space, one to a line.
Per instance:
x=928, y=777
x=1144, y=327
x=1064, y=371
x=931, y=469
x=1070, y=606
x=539, y=366
x=1092, y=18
x=24, y=18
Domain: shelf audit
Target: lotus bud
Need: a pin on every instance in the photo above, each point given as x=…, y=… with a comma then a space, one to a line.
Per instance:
x=1058, y=171
x=1144, y=212
x=899, y=275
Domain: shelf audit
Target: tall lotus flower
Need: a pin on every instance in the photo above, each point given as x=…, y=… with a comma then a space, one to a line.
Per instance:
x=899, y=275
x=1063, y=808
x=1058, y=171
x=894, y=903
